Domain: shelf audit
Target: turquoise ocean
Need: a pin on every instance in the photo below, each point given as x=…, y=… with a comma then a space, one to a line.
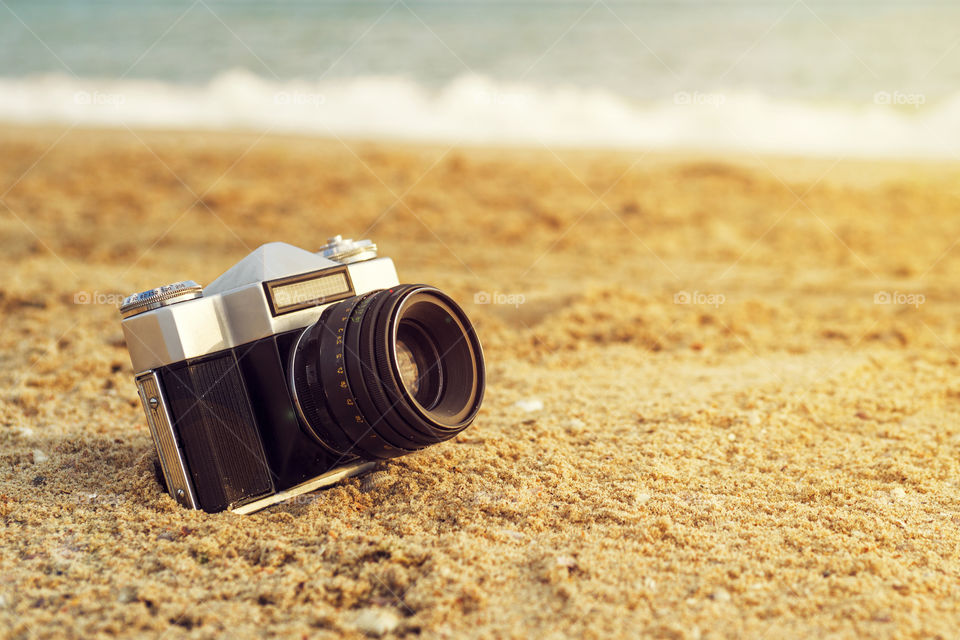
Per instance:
x=806, y=77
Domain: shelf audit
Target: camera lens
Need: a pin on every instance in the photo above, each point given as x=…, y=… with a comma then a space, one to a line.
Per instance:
x=388, y=372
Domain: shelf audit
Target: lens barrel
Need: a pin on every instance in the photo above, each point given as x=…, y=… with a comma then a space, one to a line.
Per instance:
x=388, y=372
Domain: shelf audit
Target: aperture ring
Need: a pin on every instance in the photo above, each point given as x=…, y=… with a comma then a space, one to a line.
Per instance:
x=336, y=385
x=305, y=377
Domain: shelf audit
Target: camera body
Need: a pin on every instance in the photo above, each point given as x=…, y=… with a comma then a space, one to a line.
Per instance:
x=245, y=384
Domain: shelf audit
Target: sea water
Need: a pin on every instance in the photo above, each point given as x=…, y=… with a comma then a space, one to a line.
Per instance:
x=802, y=76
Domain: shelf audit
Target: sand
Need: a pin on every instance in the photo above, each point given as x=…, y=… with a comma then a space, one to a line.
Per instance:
x=776, y=457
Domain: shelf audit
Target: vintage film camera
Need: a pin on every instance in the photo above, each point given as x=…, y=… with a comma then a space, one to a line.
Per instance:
x=295, y=369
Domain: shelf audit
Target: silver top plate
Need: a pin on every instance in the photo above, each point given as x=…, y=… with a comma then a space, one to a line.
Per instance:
x=235, y=309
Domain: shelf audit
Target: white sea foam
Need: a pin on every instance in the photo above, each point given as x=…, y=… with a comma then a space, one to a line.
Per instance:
x=475, y=109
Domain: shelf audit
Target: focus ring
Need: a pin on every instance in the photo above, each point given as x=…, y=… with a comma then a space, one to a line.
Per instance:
x=359, y=365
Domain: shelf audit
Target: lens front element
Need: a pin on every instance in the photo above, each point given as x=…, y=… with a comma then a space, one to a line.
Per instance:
x=410, y=367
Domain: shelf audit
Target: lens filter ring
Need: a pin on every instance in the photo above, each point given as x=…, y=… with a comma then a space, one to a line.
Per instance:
x=443, y=328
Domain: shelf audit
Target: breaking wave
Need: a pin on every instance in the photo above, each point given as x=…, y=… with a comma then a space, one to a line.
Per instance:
x=480, y=110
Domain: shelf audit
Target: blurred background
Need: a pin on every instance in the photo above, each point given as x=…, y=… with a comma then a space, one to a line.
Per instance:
x=793, y=76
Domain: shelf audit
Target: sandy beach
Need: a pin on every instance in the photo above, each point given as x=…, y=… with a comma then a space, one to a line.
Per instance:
x=723, y=394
